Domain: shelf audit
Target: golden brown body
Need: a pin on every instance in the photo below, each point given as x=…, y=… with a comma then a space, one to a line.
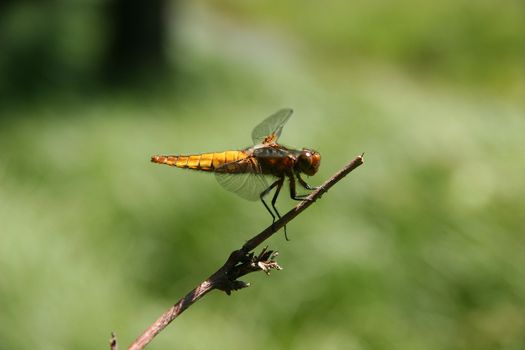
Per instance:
x=203, y=161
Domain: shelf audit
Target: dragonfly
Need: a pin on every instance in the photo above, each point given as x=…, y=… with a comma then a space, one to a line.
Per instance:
x=253, y=172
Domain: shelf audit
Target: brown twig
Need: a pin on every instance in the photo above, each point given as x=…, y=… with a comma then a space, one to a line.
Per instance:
x=240, y=262
x=113, y=342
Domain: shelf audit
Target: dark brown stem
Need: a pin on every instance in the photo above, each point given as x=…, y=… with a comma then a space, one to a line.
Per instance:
x=240, y=262
x=113, y=342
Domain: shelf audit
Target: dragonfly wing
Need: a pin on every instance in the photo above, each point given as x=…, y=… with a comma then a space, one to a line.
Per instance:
x=248, y=185
x=242, y=177
x=270, y=129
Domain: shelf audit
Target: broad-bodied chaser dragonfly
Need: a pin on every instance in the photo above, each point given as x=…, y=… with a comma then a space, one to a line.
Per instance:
x=246, y=172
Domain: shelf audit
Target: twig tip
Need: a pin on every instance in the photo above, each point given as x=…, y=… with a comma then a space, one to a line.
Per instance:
x=113, y=341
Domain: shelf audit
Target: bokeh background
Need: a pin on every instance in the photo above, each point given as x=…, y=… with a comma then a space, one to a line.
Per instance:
x=421, y=248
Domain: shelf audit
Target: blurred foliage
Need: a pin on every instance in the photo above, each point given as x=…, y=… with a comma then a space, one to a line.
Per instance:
x=422, y=247
x=47, y=45
x=473, y=42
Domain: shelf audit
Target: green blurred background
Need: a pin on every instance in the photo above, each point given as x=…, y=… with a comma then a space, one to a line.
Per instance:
x=421, y=248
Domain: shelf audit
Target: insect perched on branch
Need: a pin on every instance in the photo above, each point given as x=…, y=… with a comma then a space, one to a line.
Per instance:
x=247, y=172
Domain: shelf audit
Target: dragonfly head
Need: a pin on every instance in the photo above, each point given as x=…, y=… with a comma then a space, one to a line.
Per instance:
x=308, y=161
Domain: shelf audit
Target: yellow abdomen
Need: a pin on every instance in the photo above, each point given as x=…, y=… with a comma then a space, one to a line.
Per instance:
x=204, y=161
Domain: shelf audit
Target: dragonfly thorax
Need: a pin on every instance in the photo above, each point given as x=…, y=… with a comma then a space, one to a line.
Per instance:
x=308, y=161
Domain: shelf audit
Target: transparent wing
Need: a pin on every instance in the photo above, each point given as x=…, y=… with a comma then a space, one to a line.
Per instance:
x=247, y=185
x=271, y=126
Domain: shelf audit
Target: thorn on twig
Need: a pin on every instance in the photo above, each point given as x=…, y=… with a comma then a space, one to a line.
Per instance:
x=236, y=285
x=113, y=342
x=228, y=281
x=266, y=261
x=267, y=266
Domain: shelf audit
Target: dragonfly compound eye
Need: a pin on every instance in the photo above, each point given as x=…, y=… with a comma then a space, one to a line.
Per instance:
x=309, y=161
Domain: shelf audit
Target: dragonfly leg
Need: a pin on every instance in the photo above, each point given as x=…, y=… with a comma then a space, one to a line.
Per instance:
x=274, y=200
x=266, y=191
x=279, y=184
x=293, y=191
x=304, y=184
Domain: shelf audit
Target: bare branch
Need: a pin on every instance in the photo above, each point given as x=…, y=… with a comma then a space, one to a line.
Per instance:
x=113, y=342
x=240, y=262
